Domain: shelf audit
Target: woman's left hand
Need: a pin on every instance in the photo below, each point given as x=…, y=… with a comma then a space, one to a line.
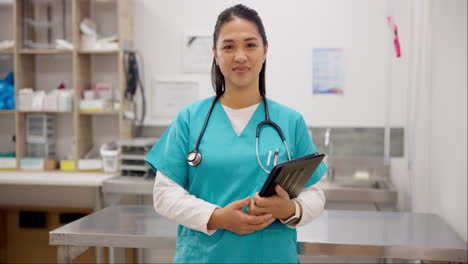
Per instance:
x=278, y=205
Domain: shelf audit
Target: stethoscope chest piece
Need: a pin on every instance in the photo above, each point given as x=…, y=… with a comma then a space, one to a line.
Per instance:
x=194, y=158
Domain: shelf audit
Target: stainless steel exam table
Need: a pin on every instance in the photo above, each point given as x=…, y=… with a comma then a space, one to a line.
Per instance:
x=396, y=235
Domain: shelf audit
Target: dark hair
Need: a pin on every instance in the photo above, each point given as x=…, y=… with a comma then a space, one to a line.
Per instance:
x=244, y=12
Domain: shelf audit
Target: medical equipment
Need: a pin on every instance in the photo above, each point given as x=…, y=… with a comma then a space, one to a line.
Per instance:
x=133, y=152
x=194, y=157
x=134, y=81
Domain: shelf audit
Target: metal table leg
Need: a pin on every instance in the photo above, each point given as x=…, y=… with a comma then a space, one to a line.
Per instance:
x=116, y=255
x=140, y=251
x=66, y=254
x=99, y=251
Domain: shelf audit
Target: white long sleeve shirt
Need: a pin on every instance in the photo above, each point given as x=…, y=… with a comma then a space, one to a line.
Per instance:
x=174, y=202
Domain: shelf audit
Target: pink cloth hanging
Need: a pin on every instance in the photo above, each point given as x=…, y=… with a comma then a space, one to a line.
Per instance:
x=396, y=40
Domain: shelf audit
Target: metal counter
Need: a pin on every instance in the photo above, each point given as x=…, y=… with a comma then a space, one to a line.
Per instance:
x=128, y=185
x=334, y=233
x=113, y=189
x=41, y=189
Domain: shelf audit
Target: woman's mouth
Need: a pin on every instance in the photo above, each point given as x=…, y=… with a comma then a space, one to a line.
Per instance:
x=241, y=69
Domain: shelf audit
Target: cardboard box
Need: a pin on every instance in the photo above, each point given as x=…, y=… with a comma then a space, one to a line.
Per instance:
x=50, y=165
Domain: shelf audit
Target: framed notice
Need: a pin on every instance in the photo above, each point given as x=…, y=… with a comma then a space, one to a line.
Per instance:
x=197, y=54
x=169, y=97
x=328, y=71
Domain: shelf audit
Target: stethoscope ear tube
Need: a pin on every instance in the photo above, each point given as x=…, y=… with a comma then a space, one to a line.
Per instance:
x=271, y=123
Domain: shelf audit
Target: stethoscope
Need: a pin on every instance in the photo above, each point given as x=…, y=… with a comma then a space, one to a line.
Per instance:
x=194, y=157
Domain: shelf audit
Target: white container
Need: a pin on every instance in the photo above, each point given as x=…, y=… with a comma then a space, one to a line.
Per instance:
x=65, y=100
x=32, y=164
x=7, y=163
x=25, y=97
x=88, y=42
x=51, y=101
x=104, y=91
x=89, y=164
x=89, y=95
x=110, y=157
x=38, y=101
x=96, y=105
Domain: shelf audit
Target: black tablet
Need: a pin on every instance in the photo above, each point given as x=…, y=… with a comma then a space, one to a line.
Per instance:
x=292, y=175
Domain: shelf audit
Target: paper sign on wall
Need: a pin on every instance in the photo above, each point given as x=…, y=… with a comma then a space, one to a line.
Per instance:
x=170, y=97
x=328, y=71
x=197, y=53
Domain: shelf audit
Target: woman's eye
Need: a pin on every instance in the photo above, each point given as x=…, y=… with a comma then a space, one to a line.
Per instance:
x=228, y=47
x=250, y=45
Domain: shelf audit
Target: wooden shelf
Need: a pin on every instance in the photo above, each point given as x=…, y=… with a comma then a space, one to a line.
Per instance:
x=44, y=112
x=44, y=51
x=7, y=111
x=99, y=52
x=7, y=51
x=76, y=171
x=99, y=113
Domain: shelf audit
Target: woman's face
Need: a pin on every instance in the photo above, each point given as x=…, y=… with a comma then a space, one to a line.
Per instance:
x=240, y=53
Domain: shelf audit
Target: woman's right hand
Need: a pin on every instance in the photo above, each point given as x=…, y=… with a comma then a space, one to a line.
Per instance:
x=233, y=218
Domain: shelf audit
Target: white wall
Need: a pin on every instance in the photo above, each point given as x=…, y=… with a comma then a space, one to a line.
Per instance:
x=448, y=130
x=436, y=128
x=6, y=18
x=293, y=29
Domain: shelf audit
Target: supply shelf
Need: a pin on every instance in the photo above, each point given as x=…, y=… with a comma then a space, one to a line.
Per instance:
x=7, y=89
x=44, y=67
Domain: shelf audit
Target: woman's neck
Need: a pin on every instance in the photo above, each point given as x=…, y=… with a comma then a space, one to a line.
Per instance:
x=240, y=98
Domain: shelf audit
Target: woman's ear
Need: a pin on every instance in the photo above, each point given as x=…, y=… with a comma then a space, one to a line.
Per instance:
x=265, y=52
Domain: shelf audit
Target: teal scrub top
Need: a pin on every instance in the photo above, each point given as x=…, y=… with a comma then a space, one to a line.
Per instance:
x=229, y=171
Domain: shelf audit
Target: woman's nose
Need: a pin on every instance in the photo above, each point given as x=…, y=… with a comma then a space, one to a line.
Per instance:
x=240, y=56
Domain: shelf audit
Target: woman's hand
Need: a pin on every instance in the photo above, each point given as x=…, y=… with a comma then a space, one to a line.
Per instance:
x=233, y=218
x=278, y=205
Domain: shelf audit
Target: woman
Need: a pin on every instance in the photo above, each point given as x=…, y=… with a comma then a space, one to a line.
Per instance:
x=214, y=196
